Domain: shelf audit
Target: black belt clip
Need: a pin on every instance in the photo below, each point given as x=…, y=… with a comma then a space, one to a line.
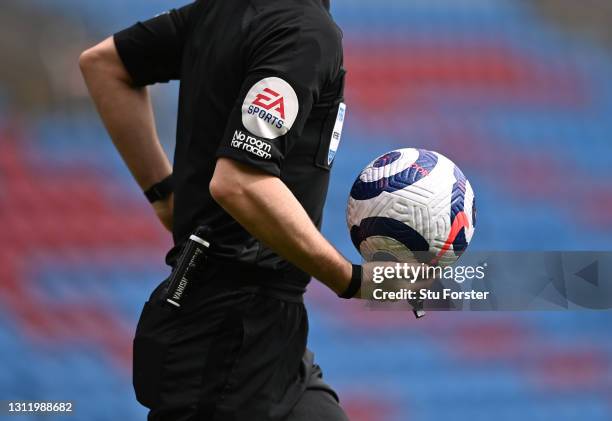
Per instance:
x=191, y=260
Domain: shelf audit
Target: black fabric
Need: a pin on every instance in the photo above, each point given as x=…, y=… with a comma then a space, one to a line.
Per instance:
x=317, y=405
x=220, y=50
x=152, y=50
x=269, y=74
x=228, y=354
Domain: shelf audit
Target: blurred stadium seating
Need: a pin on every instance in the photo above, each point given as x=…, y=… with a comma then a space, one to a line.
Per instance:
x=518, y=93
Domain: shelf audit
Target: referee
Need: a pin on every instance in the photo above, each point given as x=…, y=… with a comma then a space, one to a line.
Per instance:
x=259, y=121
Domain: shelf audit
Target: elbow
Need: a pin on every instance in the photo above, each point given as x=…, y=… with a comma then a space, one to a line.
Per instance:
x=217, y=191
x=89, y=60
x=228, y=184
x=234, y=184
x=102, y=59
x=224, y=189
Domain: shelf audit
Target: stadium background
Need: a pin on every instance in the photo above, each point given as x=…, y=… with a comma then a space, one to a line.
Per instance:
x=517, y=92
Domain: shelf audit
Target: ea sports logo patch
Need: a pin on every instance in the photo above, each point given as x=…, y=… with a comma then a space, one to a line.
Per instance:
x=271, y=100
x=270, y=108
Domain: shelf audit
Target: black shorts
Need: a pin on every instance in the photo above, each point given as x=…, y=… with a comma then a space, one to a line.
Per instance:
x=232, y=352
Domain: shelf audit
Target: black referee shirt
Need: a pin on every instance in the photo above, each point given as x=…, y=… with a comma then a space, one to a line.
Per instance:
x=261, y=82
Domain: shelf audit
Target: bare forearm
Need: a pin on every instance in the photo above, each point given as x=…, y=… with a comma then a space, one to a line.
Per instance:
x=269, y=211
x=126, y=112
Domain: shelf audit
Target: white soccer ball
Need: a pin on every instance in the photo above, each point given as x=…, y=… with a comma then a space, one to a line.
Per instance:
x=414, y=206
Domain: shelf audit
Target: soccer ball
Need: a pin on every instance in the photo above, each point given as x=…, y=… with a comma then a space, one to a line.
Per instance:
x=414, y=206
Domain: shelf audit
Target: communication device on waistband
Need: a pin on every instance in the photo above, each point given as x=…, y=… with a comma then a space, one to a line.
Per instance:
x=193, y=256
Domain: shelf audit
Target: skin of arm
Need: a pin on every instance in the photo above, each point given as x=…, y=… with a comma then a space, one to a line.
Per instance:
x=127, y=113
x=266, y=208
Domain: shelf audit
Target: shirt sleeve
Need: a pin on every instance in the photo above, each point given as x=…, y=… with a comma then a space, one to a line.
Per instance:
x=151, y=51
x=287, y=68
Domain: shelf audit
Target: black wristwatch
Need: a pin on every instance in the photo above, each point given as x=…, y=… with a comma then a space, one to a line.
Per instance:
x=161, y=190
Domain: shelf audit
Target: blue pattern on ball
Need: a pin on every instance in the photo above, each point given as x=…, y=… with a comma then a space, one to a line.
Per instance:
x=386, y=159
x=391, y=228
x=424, y=164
